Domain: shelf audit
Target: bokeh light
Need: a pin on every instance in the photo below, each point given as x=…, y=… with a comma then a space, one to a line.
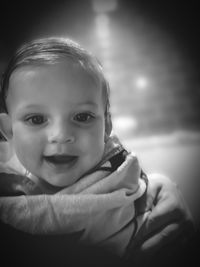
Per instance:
x=141, y=83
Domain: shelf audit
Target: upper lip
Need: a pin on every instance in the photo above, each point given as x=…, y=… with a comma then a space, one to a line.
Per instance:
x=60, y=159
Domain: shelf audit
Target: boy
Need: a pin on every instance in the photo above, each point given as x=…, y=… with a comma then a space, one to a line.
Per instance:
x=56, y=119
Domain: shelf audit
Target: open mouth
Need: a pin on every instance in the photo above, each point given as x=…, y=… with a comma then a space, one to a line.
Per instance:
x=61, y=159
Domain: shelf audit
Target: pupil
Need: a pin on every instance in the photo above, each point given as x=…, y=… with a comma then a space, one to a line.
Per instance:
x=82, y=117
x=37, y=119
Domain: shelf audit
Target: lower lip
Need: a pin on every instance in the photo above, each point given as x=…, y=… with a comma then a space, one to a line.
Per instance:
x=63, y=165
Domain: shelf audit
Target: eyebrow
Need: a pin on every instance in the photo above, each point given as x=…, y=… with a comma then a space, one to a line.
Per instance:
x=88, y=103
x=32, y=106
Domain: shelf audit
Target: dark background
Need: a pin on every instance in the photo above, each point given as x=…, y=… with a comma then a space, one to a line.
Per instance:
x=179, y=18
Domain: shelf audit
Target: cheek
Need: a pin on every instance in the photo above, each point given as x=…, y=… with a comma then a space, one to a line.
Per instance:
x=27, y=147
x=93, y=141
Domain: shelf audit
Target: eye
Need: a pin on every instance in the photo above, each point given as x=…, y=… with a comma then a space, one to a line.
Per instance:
x=84, y=117
x=35, y=119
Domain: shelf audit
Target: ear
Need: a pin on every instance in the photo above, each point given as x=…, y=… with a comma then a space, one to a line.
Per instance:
x=108, y=126
x=6, y=126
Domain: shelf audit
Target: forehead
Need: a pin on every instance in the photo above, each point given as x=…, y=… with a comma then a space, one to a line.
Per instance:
x=59, y=67
x=61, y=81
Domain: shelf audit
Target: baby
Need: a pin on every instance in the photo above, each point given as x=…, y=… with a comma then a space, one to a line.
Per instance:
x=58, y=111
x=57, y=115
x=56, y=118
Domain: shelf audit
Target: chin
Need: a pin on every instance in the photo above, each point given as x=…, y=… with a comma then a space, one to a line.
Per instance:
x=62, y=181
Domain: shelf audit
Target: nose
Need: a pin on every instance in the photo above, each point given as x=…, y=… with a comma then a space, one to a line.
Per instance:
x=60, y=133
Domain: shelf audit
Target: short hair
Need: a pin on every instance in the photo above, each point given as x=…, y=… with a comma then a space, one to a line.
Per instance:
x=49, y=51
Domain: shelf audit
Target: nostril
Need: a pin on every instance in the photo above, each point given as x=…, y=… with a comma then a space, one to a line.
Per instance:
x=70, y=139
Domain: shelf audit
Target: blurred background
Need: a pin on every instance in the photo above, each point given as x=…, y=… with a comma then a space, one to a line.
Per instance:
x=150, y=54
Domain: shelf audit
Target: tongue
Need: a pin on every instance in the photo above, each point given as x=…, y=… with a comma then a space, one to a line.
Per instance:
x=59, y=159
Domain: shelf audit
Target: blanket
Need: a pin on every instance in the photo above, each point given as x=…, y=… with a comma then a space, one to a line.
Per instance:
x=100, y=207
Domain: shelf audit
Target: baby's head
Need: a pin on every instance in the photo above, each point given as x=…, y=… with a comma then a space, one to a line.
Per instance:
x=55, y=109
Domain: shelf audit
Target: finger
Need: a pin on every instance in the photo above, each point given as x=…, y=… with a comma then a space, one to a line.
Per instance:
x=164, y=213
x=169, y=234
x=155, y=221
x=158, y=246
x=152, y=247
x=150, y=230
x=156, y=228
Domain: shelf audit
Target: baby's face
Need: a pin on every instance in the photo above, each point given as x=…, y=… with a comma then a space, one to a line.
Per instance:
x=58, y=124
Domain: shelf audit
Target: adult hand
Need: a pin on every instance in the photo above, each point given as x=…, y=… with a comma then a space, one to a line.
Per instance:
x=169, y=223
